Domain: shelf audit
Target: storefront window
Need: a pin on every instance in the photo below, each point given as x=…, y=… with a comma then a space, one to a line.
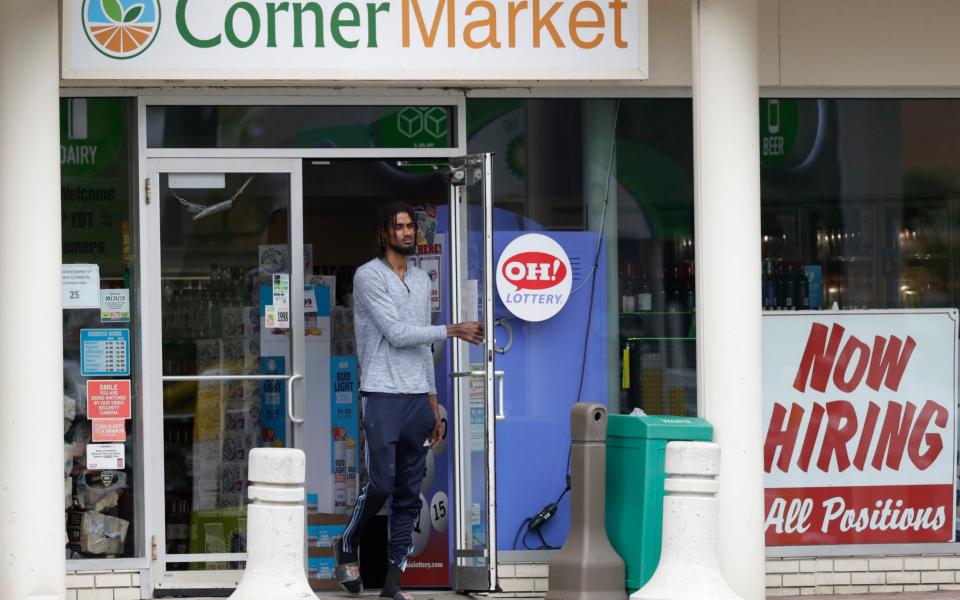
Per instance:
x=102, y=388
x=860, y=213
x=300, y=127
x=610, y=181
x=551, y=161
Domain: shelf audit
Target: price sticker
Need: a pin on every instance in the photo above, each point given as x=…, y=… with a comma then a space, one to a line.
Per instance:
x=105, y=456
x=278, y=317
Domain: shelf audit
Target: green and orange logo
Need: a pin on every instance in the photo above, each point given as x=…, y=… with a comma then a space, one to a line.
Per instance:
x=121, y=28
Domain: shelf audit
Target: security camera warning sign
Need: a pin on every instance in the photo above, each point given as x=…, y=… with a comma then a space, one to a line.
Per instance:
x=860, y=423
x=534, y=277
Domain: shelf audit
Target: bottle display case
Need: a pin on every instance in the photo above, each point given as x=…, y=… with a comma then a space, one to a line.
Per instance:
x=657, y=324
x=883, y=254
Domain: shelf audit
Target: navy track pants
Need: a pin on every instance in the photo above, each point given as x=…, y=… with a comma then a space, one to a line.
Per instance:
x=396, y=427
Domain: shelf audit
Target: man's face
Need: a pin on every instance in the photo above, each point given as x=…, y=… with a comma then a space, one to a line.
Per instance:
x=403, y=235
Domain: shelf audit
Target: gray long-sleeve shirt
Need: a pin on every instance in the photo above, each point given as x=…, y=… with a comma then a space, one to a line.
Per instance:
x=394, y=335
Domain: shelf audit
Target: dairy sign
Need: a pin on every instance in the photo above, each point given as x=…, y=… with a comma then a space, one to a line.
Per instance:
x=354, y=40
x=534, y=277
x=860, y=423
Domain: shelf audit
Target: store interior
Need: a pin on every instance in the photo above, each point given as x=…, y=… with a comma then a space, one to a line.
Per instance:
x=215, y=269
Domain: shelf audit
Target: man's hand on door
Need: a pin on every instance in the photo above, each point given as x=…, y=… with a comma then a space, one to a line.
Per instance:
x=469, y=331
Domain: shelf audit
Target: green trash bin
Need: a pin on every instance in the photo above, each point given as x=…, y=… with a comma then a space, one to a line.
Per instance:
x=636, y=449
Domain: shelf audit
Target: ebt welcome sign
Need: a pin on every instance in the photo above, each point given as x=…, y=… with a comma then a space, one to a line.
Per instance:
x=860, y=418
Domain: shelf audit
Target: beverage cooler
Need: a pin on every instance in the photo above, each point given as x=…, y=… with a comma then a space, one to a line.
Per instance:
x=864, y=254
x=657, y=326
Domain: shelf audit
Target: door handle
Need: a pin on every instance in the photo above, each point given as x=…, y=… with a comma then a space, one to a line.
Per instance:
x=500, y=375
x=293, y=418
x=505, y=324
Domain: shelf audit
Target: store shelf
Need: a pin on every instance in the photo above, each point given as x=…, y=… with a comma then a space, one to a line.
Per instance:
x=846, y=259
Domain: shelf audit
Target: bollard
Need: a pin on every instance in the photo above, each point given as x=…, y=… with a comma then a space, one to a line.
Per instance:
x=688, y=568
x=587, y=567
x=275, y=528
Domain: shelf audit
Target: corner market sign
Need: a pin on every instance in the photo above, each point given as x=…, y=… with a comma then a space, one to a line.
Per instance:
x=354, y=40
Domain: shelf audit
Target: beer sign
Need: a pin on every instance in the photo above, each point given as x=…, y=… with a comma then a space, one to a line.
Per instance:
x=534, y=277
x=860, y=426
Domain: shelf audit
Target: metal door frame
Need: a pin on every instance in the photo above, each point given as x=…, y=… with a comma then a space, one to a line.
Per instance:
x=473, y=578
x=153, y=378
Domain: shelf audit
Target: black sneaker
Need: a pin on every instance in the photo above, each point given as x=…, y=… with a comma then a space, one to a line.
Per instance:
x=347, y=573
x=391, y=585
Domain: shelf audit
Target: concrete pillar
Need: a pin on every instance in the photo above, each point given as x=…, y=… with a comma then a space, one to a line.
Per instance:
x=31, y=356
x=688, y=568
x=276, y=523
x=727, y=230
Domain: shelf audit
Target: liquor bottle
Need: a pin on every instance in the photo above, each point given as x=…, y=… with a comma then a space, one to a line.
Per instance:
x=768, y=285
x=660, y=293
x=673, y=292
x=628, y=295
x=644, y=301
x=788, y=288
x=691, y=288
x=803, y=289
x=777, y=273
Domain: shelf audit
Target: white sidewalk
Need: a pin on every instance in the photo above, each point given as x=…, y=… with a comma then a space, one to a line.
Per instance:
x=894, y=596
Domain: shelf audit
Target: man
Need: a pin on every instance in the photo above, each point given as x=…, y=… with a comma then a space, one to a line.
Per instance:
x=401, y=418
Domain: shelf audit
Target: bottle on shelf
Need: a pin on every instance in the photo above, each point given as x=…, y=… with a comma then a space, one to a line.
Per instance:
x=673, y=291
x=769, y=286
x=644, y=302
x=628, y=295
x=660, y=293
x=803, y=289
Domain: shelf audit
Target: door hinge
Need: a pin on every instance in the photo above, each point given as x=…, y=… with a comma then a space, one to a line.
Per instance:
x=153, y=539
x=147, y=190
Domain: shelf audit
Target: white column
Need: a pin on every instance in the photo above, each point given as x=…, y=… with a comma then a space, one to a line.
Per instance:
x=31, y=357
x=727, y=229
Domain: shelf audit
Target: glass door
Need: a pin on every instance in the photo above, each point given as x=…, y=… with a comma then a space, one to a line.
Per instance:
x=227, y=267
x=471, y=209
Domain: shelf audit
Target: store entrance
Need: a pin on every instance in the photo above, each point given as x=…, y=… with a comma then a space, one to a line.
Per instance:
x=234, y=374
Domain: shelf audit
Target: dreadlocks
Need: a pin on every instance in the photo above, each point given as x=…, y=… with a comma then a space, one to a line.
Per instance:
x=387, y=219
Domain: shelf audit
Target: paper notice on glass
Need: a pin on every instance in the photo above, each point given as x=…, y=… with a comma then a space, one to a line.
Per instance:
x=309, y=299
x=431, y=266
x=108, y=399
x=104, y=352
x=278, y=317
x=478, y=423
x=105, y=456
x=109, y=430
x=80, y=286
x=115, y=306
x=281, y=290
x=471, y=301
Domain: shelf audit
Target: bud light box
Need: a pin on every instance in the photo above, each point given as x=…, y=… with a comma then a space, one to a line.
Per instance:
x=320, y=573
x=322, y=528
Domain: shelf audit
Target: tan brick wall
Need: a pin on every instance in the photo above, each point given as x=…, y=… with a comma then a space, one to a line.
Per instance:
x=866, y=575
x=103, y=585
x=797, y=576
x=522, y=580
